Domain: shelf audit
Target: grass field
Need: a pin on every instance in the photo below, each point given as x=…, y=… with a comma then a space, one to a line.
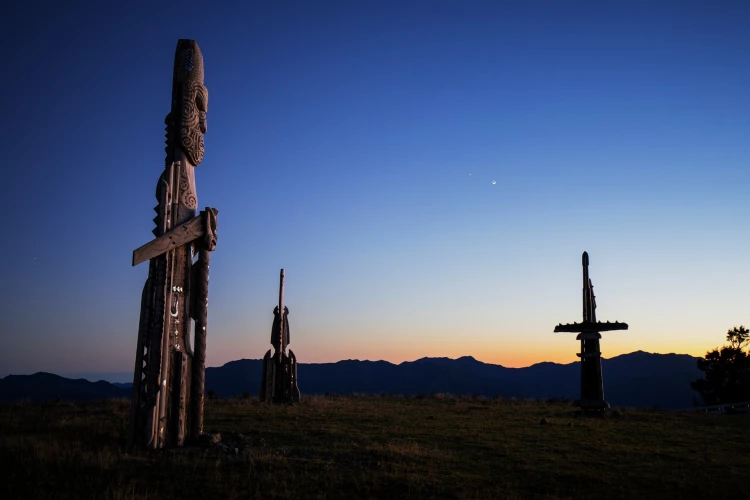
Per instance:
x=379, y=447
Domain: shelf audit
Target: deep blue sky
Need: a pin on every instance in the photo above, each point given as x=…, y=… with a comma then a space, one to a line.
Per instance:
x=428, y=173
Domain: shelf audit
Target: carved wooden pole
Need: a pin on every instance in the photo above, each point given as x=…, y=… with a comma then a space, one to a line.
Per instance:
x=164, y=403
x=592, y=382
x=279, y=377
x=282, y=318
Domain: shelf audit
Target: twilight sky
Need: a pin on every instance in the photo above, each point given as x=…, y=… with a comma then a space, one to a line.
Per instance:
x=427, y=172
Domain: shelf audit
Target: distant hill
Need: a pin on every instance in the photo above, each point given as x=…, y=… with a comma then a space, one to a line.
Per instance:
x=47, y=386
x=638, y=379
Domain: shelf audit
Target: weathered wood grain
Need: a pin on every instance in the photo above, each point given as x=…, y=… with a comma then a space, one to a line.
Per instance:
x=181, y=235
x=200, y=309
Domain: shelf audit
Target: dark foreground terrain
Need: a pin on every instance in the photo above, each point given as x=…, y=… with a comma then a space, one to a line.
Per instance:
x=379, y=447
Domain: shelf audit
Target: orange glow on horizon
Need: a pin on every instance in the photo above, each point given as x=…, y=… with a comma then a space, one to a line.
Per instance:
x=509, y=360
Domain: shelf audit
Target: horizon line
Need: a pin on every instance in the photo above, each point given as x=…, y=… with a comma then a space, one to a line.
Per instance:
x=83, y=375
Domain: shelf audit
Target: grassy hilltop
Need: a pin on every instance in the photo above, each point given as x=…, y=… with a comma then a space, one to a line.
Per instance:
x=379, y=447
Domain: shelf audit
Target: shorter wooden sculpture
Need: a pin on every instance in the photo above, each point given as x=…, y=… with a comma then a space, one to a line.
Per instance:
x=279, y=379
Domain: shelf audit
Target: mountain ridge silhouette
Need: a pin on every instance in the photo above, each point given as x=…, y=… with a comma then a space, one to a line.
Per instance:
x=638, y=379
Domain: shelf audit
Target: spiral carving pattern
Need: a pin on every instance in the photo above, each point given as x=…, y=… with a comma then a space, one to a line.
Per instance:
x=193, y=124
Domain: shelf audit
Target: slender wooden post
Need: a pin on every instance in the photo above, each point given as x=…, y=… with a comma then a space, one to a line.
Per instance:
x=200, y=308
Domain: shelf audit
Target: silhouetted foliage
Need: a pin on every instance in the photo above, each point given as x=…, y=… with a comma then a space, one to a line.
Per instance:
x=738, y=337
x=727, y=370
x=212, y=394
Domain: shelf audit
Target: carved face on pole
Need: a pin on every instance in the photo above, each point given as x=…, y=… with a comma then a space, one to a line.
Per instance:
x=187, y=120
x=194, y=107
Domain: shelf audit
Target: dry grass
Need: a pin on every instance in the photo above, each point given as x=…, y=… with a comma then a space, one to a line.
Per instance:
x=380, y=447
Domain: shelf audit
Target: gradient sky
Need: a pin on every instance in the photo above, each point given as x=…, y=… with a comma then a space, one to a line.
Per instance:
x=427, y=172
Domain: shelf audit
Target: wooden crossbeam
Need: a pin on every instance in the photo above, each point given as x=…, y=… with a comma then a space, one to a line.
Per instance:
x=181, y=235
x=588, y=326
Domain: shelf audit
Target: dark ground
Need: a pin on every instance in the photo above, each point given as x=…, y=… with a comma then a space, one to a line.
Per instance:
x=379, y=447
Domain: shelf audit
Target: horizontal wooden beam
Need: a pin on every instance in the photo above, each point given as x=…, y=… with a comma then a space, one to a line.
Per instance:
x=181, y=235
x=588, y=326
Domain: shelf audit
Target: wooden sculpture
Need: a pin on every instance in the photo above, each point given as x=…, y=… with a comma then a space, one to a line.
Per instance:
x=592, y=382
x=168, y=381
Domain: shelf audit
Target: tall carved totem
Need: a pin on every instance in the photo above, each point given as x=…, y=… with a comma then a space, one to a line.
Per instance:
x=589, y=333
x=168, y=381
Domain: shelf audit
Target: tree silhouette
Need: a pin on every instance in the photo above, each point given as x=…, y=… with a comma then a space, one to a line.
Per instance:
x=727, y=371
x=738, y=337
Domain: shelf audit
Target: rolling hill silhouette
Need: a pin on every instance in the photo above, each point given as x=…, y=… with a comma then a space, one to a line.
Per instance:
x=638, y=379
x=43, y=386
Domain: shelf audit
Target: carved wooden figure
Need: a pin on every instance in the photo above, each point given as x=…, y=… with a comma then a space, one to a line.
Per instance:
x=168, y=380
x=279, y=378
x=592, y=382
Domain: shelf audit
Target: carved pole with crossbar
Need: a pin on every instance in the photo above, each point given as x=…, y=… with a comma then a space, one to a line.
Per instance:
x=168, y=380
x=592, y=382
